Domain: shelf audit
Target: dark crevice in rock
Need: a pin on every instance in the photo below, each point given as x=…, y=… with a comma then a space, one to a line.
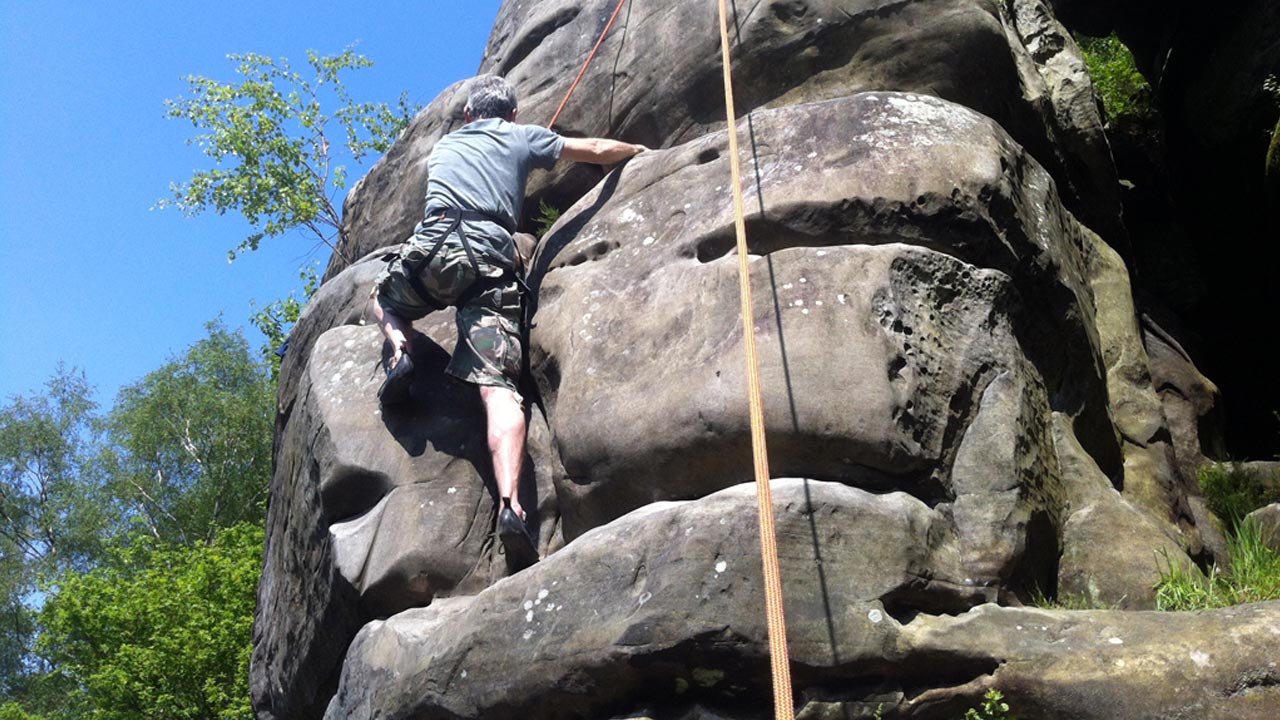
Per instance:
x=921, y=486
x=1253, y=679
x=878, y=681
x=1037, y=571
x=927, y=596
x=352, y=491
x=934, y=223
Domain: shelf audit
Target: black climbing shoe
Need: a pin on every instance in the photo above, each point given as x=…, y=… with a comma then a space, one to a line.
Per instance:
x=395, y=390
x=515, y=537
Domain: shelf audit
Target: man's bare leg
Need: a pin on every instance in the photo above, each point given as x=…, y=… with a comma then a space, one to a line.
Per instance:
x=506, y=441
x=396, y=330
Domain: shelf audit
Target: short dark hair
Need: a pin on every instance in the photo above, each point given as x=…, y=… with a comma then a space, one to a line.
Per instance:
x=490, y=96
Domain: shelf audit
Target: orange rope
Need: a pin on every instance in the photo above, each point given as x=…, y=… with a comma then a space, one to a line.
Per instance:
x=590, y=57
x=775, y=618
x=776, y=621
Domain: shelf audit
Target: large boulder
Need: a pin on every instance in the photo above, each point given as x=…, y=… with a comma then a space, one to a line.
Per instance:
x=373, y=511
x=1160, y=455
x=661, y=615
x=658, y=81
x=925, y=317
x=949, y=353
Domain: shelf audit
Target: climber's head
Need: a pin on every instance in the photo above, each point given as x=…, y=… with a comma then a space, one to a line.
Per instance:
x=490, y=96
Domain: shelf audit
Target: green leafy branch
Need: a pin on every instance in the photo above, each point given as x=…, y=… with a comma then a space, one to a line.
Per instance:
x=275, y=319
x=269, y=137
x=1123, y=89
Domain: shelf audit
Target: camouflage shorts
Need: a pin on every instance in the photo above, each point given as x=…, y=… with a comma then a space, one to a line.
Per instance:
x=488, y=351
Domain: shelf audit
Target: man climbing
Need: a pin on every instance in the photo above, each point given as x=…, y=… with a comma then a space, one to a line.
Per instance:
x=463, y=254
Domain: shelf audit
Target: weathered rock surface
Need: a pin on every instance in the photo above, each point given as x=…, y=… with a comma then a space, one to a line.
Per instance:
x=1268, y=521
x=661, y=615
x=1154, y=478
x=924, y=311
x=658, y=81
x=948, y=352
x=373, y=512
x=1192, y=403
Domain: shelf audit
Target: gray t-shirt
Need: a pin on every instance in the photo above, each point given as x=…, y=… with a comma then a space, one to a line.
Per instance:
x=484, y=166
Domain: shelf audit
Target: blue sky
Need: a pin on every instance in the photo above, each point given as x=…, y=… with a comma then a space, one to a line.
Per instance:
x=90, y=275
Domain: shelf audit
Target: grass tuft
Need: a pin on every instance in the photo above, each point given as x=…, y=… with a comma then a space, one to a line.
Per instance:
x=1254, y=576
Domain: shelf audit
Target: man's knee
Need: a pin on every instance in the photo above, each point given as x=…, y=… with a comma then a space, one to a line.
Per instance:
x=504, y=409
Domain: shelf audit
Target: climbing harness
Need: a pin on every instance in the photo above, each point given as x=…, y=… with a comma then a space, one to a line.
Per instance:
x=783, y=708
x=482, y=283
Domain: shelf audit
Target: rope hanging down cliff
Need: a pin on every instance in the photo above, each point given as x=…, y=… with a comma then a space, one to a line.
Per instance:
x=592, y=56
x=783, y=709
x=782, y=704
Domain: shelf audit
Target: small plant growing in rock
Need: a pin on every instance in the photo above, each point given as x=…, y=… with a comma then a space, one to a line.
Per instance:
x=547, y=216
x=1233, y=490
x=993, y=708
x=1070, y=601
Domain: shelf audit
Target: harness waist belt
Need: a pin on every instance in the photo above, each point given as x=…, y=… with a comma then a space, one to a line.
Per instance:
x=456, y=217
x=456, y=214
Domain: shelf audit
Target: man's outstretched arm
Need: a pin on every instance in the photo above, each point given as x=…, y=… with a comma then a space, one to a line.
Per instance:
x=601, y=151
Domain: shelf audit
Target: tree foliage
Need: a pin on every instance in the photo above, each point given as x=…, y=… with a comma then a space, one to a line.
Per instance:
x=160, y=631
x=191, y=451
x=277, y=318
x=272, y=142
x=1124, y=90
x=138, y=498
x=53, y=510
x=49, y=512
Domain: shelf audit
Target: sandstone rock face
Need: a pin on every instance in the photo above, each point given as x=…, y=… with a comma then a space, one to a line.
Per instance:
x=925, y=317
x=660, y=615
x=950, y=358
x=1192, y=403
x=1154, y=476
x=657, y=81
x=1210, y=70
x=1268, y=521
x=373, y=512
